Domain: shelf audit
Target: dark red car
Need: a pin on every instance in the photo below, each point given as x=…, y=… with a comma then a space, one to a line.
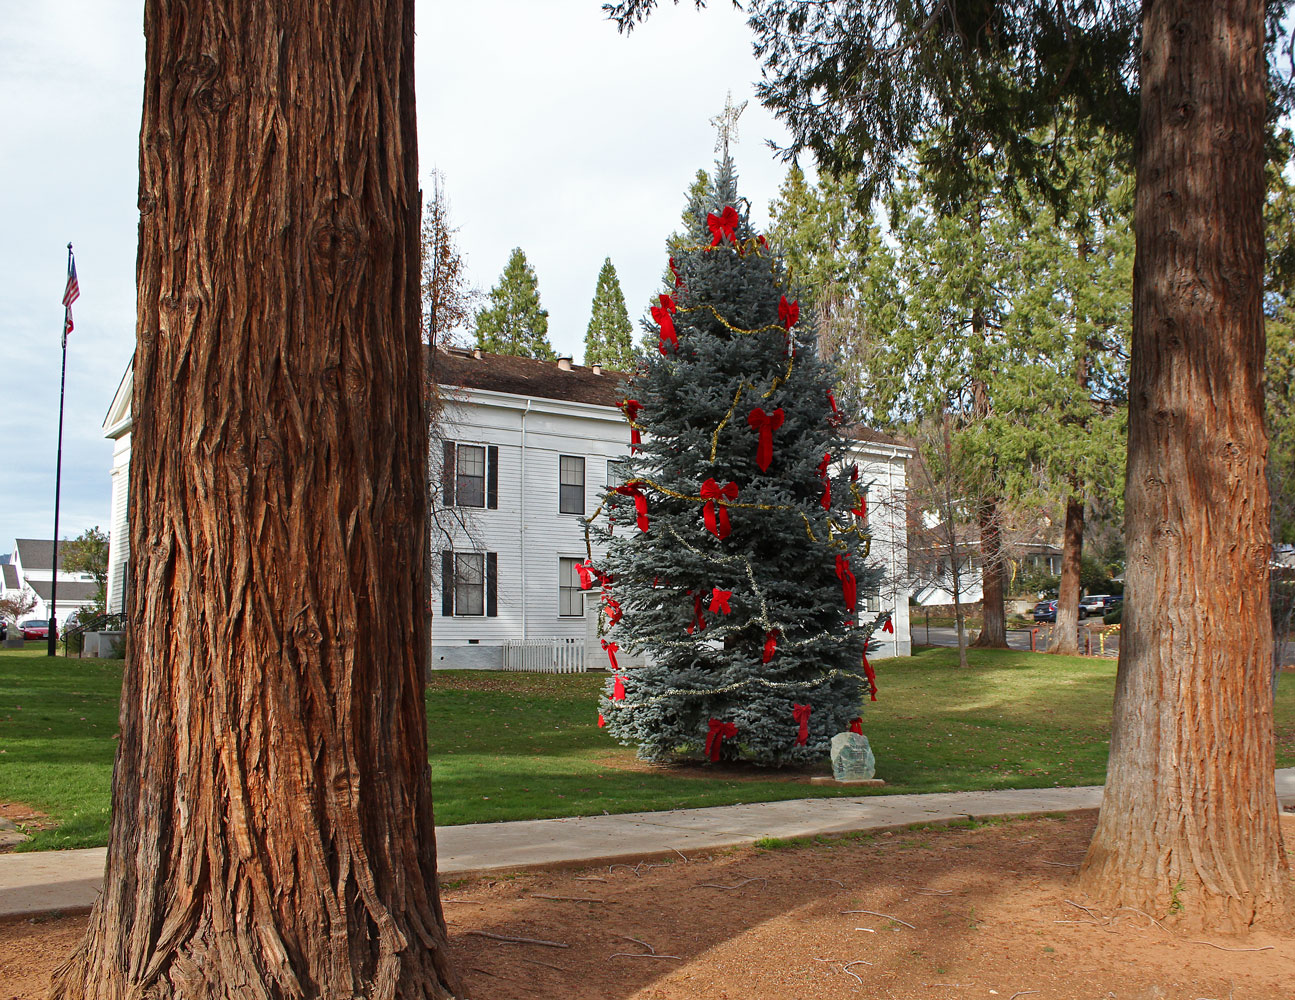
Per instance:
x=35, y=628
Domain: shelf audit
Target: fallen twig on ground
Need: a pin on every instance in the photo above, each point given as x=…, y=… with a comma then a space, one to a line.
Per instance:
x=547, y=965
x=517, y=940
x=680, y=853
x=572, y=899
x=886, y=915
x=1057, y=864
x=1220, y=947
x=716, y=885
x=836, y=880
x=1021, y=993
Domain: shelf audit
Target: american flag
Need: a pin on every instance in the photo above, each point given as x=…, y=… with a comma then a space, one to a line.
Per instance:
x=70, y=294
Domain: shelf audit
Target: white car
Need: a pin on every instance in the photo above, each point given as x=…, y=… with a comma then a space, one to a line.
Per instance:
x=1094, y=604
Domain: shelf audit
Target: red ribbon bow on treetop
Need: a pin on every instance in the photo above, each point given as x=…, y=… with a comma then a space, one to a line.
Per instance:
x=872, y=677
x=835, y=419
x=826, y=501
x=788, y=313
x=765, y=424
x=888, y=626
x=611, y=648
x=849, y=589
x=631, y=408
x=640, y=503
x=723, y=226
x=715, y=513
x=719, y=600
x=664, y=320
x=800, y=713
x=675, y=271
x=770, y=645
x=698, y=623
x=718, y=731
x=856, y=725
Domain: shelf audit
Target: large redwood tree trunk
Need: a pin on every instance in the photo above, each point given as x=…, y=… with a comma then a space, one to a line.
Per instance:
x=272, y=818
x=1189, y=823
x=993, y=630
x=1065, y=636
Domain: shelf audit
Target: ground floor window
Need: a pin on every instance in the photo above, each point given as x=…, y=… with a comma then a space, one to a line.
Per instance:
x=571, y=599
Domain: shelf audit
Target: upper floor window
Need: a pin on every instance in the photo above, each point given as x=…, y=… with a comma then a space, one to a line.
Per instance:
x=470, y=475
x=571, y=484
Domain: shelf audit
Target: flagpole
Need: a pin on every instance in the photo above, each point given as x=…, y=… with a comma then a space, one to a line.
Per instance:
x=58, y=484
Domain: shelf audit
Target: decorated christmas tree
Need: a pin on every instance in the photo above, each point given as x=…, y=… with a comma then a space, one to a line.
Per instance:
x=737, y=542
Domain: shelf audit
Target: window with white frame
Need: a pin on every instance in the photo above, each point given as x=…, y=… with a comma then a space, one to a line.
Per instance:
x=618, y=471
x=470, y=475
x=571, y=484
x=469, y=583
x=571, y=599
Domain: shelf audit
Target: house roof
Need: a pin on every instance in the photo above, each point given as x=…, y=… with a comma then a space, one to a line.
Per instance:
x=69, y=591
x=869, y=436
x=10, y=577
x=37, y=553
x=526, y=377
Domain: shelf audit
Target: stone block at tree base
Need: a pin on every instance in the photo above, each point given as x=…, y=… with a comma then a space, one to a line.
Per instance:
x=852, y=758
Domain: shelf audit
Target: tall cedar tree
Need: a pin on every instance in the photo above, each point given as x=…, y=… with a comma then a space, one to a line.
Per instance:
x=272, y=830
x=513, y=323
x=609, y=338
x=740, y=627
x=1181, y=822
x=447, y=297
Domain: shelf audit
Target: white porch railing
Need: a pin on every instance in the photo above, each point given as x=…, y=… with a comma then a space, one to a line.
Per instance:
x=545, y=656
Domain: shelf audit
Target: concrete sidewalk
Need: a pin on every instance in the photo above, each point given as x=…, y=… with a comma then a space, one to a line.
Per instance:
x=44, y=882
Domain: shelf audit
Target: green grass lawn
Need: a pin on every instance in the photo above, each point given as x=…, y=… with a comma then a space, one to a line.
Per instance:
x=526, y=746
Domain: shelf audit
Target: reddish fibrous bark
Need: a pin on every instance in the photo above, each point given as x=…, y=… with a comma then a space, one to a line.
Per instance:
x=272, y=832
x=1065, y=636
x=993, y=631
x=1190, y=823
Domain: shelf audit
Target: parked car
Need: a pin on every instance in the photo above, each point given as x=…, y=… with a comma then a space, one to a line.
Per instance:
x=1045, y=611
x=1099, y=604
x=35, y=628
x=4, y=630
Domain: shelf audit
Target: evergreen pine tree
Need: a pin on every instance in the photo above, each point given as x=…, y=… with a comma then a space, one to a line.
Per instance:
x=609, y=340
x=739, y=599
x=513, y=322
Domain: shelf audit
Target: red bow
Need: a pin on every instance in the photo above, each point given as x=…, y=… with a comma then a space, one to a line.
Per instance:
x=860, y=509
x=667, y=303
x=826, y=501
x=887, y=626
x=761, y=240
x=719, y=600
x=856, y=725
x=715, y=513
x=854, y=473
x=765, y=424
x=835, y=419
x=675, y=271
x=788, y=313
x=601, y=721
x=723, y=226
x=800, y=713
x=611, y=648
x=631, y=408
x=718, y=731
x=872, y=678
x=698, y=623
x=614, y=611
x=664, y=320
x=849, y=588
x=587, y=573
x=618, y=689
x=770, y=645
x=640, y=503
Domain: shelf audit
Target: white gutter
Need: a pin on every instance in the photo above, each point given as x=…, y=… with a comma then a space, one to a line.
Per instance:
x=521, y=519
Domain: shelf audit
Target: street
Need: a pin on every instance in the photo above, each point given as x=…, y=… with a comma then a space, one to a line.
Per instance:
x=1020, y=638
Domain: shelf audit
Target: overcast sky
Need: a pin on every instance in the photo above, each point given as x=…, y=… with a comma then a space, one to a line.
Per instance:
x=553, y=132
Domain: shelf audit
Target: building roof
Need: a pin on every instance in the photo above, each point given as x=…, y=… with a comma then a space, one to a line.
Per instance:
x=10, y=577
x=37, y=553
x=69, y=591
x=869, y=436
x=526, y=377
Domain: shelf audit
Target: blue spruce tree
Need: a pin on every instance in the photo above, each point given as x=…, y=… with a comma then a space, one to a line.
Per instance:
x=736, y=544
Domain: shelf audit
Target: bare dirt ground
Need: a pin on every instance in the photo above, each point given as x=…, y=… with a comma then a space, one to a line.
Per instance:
x=958, y=914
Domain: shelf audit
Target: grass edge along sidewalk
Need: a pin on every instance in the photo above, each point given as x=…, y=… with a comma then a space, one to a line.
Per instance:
x=507, y=746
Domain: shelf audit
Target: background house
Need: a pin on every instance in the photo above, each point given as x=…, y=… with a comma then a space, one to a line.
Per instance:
x=31, y=569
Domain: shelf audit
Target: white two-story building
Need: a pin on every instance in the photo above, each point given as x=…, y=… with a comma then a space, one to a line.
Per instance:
x=522, y=452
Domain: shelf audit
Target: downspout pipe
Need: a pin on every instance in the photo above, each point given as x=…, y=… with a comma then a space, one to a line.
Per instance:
x=521, y=521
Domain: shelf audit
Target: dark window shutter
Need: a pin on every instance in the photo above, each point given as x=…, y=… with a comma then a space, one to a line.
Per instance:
x=492, y=588
x=492, y=477
x=447, y=584
x=447, y=475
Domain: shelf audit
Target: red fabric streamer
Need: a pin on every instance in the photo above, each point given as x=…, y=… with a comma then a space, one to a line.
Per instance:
x=614, y=611
x=860, y=510
x=587, y=573
x=849, y=589
x=723, y=226
x=856, y=725
x=698, y=622
x=601, y=721
x=718, y=732
x=631, y=408
x=675, y=271
x=715, y=513
x=872, y=677
x=788, y=313
x=835, y=419
x=618, y=689
x=800, y=713
x=826, y=501
x=611, y=648
x=765, y=424
x=667, y=303
x=854, y=473
x=770, y=645
x=888, y=626
x=640, y=503
x=719, y=600
x=666, y=322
